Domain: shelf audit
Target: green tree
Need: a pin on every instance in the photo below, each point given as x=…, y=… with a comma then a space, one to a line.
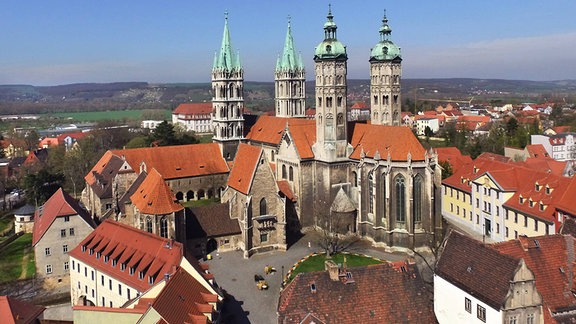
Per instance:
x=164, y=135
x=446, y=169
x=41, y=186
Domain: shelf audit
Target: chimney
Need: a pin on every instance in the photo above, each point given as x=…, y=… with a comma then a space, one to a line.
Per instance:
x=333, y=270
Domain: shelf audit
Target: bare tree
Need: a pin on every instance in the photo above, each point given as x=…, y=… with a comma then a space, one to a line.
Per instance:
x=334, y=233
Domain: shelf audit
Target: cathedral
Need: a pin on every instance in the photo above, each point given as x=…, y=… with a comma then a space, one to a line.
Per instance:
x=374, y=179
x=289, y=172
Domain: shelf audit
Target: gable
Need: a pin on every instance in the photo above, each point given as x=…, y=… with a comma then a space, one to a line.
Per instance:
x=247, y=159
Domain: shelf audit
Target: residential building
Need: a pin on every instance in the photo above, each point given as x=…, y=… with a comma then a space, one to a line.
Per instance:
x=383, y=293
x=15, y=311
x=461, y=292
x=178, y=298
x=59, y=225
x=503, y=200
x=426, y=122
x=359, y=111
x=195, y=117
x=560, y=147
x=117, y=263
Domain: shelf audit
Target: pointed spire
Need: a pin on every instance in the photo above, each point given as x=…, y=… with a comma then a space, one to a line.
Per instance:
x=289, y=60
x=385, y=30
x=330, y=26
x=226, y=59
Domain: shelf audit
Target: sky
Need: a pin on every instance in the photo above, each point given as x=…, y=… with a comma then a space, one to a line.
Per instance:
x=171, y=41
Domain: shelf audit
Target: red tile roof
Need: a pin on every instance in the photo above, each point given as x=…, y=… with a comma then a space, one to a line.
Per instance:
x=469, y=265
x=453, y=156
x=304, y=136
x=76, y=136
x=359, y=105
x=148, y=253
x=397, y=141
x=172, y=162
x=551, y=259
x=14, y=311
x=566, y=203
x=60, y=204
x=211, y=221
x=202, y=108
x=284, y=187
x=269, y=129
x=378, y=294
x=247, y=159
x=154, y=197
x=184, y=300
x=536, y=151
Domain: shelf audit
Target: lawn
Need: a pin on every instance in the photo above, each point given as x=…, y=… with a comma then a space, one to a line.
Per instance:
x=11, y=259
x=316, y=262
x=93, y=116
x=5, y=222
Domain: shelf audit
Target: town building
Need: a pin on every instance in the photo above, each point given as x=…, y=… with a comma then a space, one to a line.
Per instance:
x=117, y=263
x=560, y=147
x=382, y=293
x=195, y=117
x=59, y=225
x=24, y=219
x=426, y=122
x=502, y=200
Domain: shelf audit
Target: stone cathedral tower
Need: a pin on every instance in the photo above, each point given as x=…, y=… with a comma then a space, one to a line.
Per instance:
x=331, y=89
x=385, y=72
x=227, y=97
x=289, y=81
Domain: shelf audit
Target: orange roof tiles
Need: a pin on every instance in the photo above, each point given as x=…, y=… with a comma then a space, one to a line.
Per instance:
x=154, y=197
x=552, y=263
x=397, y=141
x=304, y=136
x=567, y=201
x=536, y=151
x=60, y=204
x=453, y=156
x=172, y=162
x=129, y=242
x=202, y=108
x=247, y=158
x=184, y=300
x=269, y=129
x=284, y=187
x=14, y=311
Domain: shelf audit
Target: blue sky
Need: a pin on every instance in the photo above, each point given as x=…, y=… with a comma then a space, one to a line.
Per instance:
x=69, y=41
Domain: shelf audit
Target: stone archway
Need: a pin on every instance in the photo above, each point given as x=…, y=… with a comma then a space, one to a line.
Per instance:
x=211, y=246
x=190, y=195
x=84, y=301
x=179, y=196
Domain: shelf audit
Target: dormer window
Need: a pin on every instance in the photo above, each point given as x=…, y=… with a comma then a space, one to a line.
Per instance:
x=531, y=203
x=140, y=274
x=114, y=262
x=542, y=206
x=537, y=187
x=521, y=200
x=106, y=258
x=150, y=280
x=123, y=266
x=98, y=254
x=83, y=248
x=131, y=271
x=91, y=251
x=548, y=190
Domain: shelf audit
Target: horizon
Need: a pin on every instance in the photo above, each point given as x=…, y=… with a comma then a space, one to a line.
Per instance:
x=64, y=42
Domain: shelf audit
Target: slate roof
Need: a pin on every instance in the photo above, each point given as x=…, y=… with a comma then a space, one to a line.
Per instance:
x=184, y=300
x=60, y=204
x=397, y=141
x=211, y=221
x=551, y=258
x=242, y=174
x=378, y=294
x=469, y=265
x=154, y=197
x=146, y=252
x=15, y=311
x=200, y=108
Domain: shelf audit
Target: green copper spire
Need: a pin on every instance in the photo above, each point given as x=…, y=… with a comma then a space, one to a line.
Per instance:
x=385, y=50
x=290, y=59
x=226, y=59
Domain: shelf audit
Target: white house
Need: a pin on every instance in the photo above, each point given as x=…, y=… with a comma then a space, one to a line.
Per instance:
x=422, y=123
x=196, y=117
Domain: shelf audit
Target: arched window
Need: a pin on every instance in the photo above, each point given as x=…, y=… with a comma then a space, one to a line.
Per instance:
x=382, y=194
x=400, y=188
x=371, y=196
x=263, y=208
x=417, y=199
x=354, y=179
x=148, y=225
x=291, y=173
x=283, y=171
x=164, y=227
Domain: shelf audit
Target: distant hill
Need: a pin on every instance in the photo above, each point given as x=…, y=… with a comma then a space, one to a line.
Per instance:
x=259, y=96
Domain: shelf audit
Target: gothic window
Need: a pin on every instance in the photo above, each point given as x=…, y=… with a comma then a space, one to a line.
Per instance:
x=354, y=179
x=148, y=225
x=400, y=203
x=340, y=119
x=238, y=114
x=339, y=101
x=385, y=100
x=371, y=196
x=329, y=102
x=417, y=199
x=263, y=208
x=284, y=171
x=383, y=196
x=319, y=101
x=375, y=102
x=395, y=99
x=291, y=174
x=231, y=90
x=164, y=227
